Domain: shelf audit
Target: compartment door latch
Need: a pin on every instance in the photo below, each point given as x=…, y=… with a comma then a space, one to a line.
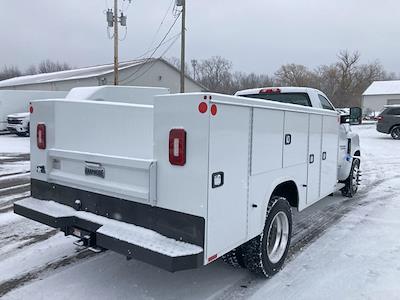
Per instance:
x=217, y=179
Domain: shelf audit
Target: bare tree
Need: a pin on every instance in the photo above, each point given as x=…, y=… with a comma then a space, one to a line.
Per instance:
x=242, y=81
x=343, y=81
x=295, y=75
x=215, y=74
x=9, y=72
x=328, y=80
x=48, y=66
x=176, y=62
x=32, y=70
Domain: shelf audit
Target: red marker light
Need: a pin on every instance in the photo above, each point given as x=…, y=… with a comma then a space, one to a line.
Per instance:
x=212, y=258
x=31, y=109
x=214, y=109
x=41, y=136
x=270, y=91
x=177, y=147
x=203, y=107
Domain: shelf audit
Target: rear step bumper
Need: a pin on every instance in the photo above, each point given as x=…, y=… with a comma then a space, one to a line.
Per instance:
x=128, y=239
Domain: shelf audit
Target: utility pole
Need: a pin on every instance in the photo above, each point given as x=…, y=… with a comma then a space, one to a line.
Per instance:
x=183, y=2
x=113, y=20
x=116, y=39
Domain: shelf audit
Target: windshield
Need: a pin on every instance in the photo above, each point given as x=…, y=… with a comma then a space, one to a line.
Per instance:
x=292, y=98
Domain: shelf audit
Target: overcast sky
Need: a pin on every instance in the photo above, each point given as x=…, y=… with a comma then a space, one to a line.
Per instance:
x=256, y=35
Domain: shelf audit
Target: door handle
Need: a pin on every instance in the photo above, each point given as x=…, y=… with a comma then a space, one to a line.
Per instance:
x=323, y=155
x=217, y=179
x=311, y=158
x=288, y=139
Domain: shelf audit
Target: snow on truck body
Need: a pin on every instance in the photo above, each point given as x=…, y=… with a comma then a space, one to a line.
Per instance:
x=185, y=179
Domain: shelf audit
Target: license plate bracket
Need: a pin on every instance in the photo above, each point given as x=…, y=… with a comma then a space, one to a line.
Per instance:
x=94, y=169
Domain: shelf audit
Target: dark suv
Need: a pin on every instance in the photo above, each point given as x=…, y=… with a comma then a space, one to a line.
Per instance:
x=389, y=121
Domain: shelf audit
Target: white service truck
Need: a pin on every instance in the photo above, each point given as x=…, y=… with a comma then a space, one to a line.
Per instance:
x=181, y=180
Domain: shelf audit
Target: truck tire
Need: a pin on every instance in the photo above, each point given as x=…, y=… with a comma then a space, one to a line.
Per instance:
x=266, y=253
x=351, y=183
x=235, y=258
x=395, y=132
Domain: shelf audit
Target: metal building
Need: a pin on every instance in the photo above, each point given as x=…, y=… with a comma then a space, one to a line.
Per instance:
x=379, y=94
x=144, y=72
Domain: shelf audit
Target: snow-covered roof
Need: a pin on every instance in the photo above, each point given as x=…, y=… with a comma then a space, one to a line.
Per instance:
x=71, y=74
x=391, y=87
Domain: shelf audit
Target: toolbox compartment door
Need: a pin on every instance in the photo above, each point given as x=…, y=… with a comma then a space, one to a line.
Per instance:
x=314, y=159
x=329, y=155
x=228, y=178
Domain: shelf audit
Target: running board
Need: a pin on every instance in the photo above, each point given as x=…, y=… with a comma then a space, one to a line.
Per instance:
x=128, y=239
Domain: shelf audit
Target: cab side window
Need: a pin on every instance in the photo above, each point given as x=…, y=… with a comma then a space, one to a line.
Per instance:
x=325, y=103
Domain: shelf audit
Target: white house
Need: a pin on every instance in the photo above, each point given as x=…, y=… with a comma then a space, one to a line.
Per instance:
x=380, y=93
x=144, y=72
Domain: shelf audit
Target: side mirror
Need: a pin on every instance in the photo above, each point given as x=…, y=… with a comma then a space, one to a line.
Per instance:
x=355, y=117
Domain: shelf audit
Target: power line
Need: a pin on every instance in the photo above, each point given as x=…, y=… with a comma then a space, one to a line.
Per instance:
x=161, y=56
x=162, y=22
x=155, y=50
x=165, y=42
x=125, y=35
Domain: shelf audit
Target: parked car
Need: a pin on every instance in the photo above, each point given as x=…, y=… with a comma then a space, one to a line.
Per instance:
x=191, y=177
x=18, y=124
x=389, y=121
x=13, y=102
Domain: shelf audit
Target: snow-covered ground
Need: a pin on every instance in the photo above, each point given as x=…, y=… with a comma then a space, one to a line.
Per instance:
x=352, y=252
x=13, y=144
x=14, y=154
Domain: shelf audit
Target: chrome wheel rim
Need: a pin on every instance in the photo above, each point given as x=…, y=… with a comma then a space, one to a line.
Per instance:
x=277, y=238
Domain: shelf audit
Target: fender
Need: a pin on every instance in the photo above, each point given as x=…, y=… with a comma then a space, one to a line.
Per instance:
x=272, y=187
x=347, y=159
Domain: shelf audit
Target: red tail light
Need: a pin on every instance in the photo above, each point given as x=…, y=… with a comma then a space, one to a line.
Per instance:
x=270, y=91
x=177, y=147
x=41, y=136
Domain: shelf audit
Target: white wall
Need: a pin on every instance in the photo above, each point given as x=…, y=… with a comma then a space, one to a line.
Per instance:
x=376, y=102
x=160, y=75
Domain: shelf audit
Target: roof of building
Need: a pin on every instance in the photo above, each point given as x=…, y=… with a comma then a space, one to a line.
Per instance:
x=81, y=73
x=391, y=87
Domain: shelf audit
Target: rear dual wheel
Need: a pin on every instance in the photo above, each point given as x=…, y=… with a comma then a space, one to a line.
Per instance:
x=266, y=253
